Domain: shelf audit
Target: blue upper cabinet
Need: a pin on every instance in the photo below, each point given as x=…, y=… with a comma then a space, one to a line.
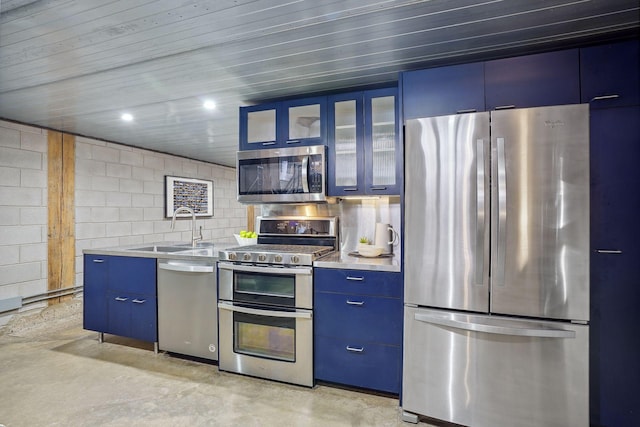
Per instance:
x=282, y=124
x=533, y=80
x=364, y=154
x=443, y=91
x=610, y=74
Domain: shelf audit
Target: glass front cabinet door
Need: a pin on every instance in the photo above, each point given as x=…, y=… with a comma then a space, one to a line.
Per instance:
x=364, y=154
x=283, y=124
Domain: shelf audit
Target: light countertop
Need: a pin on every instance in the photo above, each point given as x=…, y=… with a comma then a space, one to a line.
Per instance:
x=203, y=251
x=343, y=260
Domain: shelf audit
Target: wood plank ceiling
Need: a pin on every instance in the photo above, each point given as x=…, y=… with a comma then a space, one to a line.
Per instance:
x=77, y=65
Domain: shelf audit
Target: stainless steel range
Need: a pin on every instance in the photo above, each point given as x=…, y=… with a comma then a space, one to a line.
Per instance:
x=266, y=299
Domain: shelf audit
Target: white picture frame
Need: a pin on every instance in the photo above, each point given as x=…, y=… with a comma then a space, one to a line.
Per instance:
x=196, y=194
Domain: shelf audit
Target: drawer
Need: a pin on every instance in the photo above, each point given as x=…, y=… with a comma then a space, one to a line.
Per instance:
x=348, y=362
x=131, y=274
x=358, y=282
x=365, y=318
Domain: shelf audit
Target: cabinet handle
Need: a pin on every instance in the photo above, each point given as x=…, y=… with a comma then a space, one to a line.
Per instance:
x=269, y=143
x=121, y=299
x=504, y=107
x=351, y=189
x=470, y=110
x=358, y=303
x=139, y=301
x=357, y=279
x=98, y=261
x=377, y=188
x=355, y=349
x=608, y=251
x=293, y=141
x=601, y=97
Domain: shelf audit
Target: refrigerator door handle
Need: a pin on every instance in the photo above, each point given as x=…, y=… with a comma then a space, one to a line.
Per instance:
x=498, y=274
x=481, y=218
x=495, y=329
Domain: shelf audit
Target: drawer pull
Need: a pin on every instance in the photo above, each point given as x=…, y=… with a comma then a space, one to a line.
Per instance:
x=355, y=349
x=358, y=303
x=139, y=301
x=603, y=97
x=350, y=189
x=377, y=188
x=608, y=251
x=98, y=261
x=293, y=141
x=504, y=107
x=470, y=110
x=357, y=279
x=121, y=299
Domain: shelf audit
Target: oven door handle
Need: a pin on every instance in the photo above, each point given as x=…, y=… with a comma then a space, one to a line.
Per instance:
x=270, y=313
x=306, y=271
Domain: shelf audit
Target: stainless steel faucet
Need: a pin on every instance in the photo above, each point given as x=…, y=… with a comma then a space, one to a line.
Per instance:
x=185, y=209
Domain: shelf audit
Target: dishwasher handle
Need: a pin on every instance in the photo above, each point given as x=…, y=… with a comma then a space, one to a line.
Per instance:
x=186, y=268
x=496, y=329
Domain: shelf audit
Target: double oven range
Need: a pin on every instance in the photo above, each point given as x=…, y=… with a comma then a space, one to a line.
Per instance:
x=266, y=299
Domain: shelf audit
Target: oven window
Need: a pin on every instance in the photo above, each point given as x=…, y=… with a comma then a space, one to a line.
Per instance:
x=264, y=336
x=270, y=285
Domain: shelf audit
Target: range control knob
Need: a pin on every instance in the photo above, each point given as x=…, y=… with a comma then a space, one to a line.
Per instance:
x=246, y=257
x=232, y=256
x=295, y=259
x=262, y=257
x=277, y=258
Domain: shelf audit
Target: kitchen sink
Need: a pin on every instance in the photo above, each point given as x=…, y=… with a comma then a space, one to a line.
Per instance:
x=199, y=245
x=160, y=249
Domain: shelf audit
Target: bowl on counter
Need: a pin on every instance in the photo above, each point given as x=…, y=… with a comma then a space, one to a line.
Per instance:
x=369, y=251
x=245, y=241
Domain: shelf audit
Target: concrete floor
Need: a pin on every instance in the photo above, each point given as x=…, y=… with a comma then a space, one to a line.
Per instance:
x=54, y=373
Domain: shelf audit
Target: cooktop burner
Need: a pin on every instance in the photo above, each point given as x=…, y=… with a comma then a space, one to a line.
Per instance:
x=287, y=241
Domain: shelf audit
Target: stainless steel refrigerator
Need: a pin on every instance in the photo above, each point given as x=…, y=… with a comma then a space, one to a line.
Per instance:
x=496, y=264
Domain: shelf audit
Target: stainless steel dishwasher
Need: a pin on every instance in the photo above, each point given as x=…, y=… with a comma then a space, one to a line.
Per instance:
x=187, y=311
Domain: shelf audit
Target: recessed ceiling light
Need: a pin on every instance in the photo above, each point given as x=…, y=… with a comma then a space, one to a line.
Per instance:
x=126, y=117
x=209, y=105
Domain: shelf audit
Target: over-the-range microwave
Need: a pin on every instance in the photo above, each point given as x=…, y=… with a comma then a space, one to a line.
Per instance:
x=282, y=175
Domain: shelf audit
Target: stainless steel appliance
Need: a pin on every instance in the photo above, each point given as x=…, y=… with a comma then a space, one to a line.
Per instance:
x=497, y=268
x=292, y=174
x=186, y=323
x=266, y=299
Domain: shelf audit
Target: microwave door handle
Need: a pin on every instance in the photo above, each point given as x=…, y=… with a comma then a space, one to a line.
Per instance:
x=305, y=174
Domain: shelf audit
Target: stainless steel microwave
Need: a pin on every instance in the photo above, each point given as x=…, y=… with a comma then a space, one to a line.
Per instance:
x=282, y=175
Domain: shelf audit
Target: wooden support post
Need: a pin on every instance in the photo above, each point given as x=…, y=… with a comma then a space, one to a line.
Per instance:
x=251, y=218
x=61, y=212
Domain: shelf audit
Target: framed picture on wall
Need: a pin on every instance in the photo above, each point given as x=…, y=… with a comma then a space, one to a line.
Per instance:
x=196, y=194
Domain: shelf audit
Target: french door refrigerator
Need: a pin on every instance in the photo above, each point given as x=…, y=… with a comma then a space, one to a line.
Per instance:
x=496, y=265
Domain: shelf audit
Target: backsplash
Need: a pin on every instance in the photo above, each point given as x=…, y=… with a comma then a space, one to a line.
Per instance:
x=358, y=217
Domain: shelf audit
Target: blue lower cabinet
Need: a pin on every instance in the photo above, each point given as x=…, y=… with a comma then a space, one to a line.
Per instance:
x=132, y=315
x=356, y=316
x=120, y=296
x=358, y=328
x=361, y=364
x=95, y=293
x=143, y=318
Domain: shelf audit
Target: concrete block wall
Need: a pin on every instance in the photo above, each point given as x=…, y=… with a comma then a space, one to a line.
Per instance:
x=120, y=198
x=23, y=212
x=119, y=201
